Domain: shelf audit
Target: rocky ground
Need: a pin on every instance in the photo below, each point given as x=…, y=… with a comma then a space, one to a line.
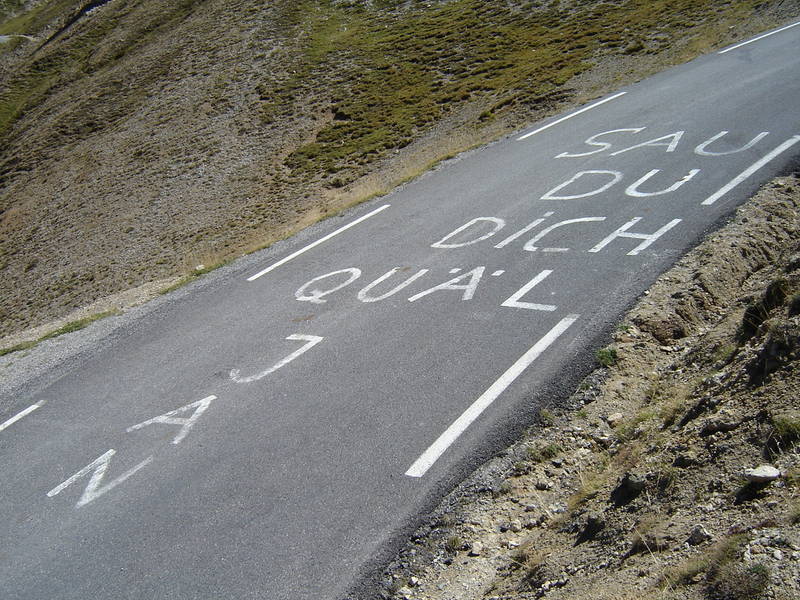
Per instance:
x=674, y=471
x=139, y=140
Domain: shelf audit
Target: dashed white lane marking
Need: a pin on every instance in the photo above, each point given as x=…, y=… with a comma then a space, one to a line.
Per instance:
x=760, y=37
x=569, y=116
x=750, y=170
x=432, y=454
x=20, y=415
x=317, y=243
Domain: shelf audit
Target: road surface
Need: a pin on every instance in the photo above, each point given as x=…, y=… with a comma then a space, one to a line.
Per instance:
x=270, y=431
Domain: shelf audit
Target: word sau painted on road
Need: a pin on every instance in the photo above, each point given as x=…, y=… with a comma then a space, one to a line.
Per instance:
x=184, y=418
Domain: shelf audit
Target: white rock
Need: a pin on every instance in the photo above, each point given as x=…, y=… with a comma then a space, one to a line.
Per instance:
x=762, y=474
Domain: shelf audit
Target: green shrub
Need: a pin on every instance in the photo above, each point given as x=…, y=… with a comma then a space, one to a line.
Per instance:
x=606, y=356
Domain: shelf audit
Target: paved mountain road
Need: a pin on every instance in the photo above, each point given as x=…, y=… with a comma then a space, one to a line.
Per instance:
x=265, y=435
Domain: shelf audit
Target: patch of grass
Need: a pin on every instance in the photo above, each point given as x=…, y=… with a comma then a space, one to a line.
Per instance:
x=544, y=452
x=758, y=312
x=794, y=514
x=503, y=489
x=547, y=417
x=410, y=67
x=532, y=561
x=591, y=483
x=785, y=430
x=187, y=279
x=68, y=328
x=453, y=543
x=735, y=581
x=712, y=563
x=606, y=357
x=19, y=347
x=724, y=352
x=630, y=429
x=77, y=57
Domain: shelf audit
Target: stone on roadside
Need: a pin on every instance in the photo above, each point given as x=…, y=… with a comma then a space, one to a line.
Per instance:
x=698, y=535
x=614, y=418
x=476, y=549
x=762, y=474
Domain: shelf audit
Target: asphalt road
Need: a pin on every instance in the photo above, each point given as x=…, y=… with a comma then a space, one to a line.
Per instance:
x=267, y=436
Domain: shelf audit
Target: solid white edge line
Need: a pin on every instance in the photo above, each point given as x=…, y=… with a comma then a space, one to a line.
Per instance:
x=20, y=415
x=750, y=170
x=760, y=37
x=317, y=243
x=432, y=454
x=569, y=116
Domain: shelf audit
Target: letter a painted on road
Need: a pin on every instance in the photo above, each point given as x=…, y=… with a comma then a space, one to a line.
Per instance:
x=170, y=418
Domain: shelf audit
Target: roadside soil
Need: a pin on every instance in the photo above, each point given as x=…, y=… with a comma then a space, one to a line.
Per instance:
x=641, y=486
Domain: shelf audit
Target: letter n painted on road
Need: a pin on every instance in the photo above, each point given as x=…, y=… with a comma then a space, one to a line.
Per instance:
x=97, y=468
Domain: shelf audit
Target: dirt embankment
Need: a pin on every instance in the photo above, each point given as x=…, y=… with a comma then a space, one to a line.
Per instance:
x=150, y=137
x=673, y=473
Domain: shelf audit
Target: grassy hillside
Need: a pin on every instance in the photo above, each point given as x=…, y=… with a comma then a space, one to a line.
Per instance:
x=149, y=137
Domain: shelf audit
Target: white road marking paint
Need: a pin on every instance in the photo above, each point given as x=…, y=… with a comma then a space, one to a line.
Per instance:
x=498, y=225
x=362, y=295
x=98, y=467
x=603, y=145
x=661, y=141
x=498, y=273
x=454, y=271
x=523, y=231
x=185, y=424
x=316, y=296
x=530, y=246
x=453, y=284
x=20, y=415
x=569, y=116
x=750, y=170
x=312, y=340
x=432, y=454
x=514, y=301
x=648, y=238
x=616, y=177
x=760, y=37
x=318, y=242
x=700, y=150
x=633, y=191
